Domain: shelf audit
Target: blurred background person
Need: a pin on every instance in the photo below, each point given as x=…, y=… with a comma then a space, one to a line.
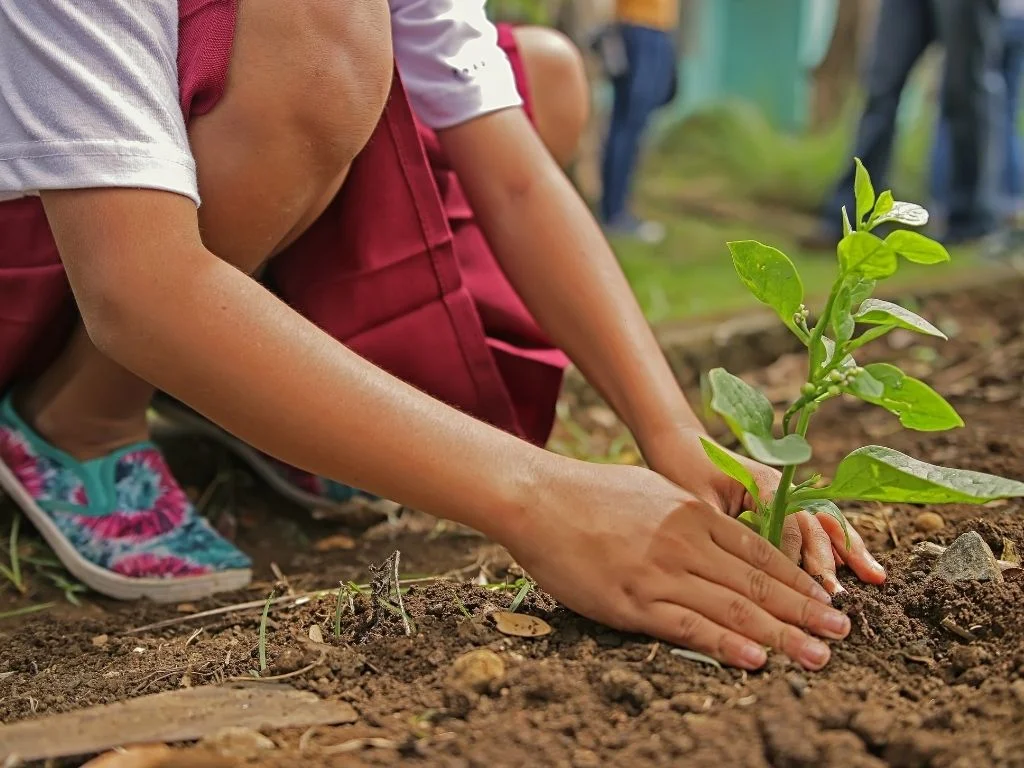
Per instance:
x=639, y=53
x=1011, y=175
x=971, y=34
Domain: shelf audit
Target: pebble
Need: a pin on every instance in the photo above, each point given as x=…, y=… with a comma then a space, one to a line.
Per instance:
x=100, y=640
x=929, y=522
x=968, y=558
x=480, y=671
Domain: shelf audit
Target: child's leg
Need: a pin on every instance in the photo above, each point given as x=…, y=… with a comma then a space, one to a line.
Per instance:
x=559, y=90
x=305, y=91
x=89, y=406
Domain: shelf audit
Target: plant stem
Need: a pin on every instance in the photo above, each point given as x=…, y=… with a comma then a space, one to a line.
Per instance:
x=777, y=516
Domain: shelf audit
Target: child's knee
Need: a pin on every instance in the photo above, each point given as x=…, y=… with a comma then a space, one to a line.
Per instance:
x=306, y=88
x=559, y=87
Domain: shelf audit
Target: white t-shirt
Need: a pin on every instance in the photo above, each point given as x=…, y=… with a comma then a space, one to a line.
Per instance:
x=89, y=90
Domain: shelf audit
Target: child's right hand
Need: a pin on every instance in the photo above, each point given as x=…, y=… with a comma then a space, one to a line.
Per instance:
x=626, y=547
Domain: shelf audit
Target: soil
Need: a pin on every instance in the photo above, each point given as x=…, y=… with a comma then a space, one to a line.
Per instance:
x=908, y=688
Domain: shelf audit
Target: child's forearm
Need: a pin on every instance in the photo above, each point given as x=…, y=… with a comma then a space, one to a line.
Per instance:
x=192, y=325
x=558, y=260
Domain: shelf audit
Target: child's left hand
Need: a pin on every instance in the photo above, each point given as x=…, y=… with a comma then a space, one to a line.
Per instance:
x=815, y=541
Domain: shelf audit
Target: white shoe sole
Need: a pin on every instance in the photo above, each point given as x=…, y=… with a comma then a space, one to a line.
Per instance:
x=175, y=418
x=112, y=584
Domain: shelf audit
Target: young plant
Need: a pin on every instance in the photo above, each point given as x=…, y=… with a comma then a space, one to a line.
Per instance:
x=872, y=473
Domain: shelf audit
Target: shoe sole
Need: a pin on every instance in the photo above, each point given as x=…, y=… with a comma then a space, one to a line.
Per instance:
x=176, y=418
x=107, y=582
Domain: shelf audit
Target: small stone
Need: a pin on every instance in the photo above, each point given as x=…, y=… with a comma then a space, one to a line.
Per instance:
x=316, y=634
x=968, y=558
x=929, y=522
x=585, y=758
x=100, y=640
x=480, y=671
x=243, y=743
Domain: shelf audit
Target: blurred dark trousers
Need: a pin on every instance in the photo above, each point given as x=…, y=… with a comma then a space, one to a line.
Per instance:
x=1011, y=180
x=647, y=84
x=970, y=31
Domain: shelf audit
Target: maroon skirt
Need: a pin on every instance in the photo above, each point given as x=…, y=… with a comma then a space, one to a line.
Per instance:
x=396, y=268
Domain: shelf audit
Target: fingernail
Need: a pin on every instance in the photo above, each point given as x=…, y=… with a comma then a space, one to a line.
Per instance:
x=815, y=654
x=820, y=594
x=835, y=624
x=753, y=656
x=876, y=566
x=832, y=584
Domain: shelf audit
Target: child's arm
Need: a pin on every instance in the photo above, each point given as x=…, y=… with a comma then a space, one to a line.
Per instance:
x=619, y=544
x=560, y=263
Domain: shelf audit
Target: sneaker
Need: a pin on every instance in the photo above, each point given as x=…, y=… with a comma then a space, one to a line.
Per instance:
x=120, y=524
x=649, y=232
x=323, y=497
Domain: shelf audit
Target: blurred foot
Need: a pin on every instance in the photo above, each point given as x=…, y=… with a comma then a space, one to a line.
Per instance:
x=629, y=226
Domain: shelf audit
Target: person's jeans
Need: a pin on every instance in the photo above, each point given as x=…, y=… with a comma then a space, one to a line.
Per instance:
x=1011, y=179
x=971, y=34
x=647, y=85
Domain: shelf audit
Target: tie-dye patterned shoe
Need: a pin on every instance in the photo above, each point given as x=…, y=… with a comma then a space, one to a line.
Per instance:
x=324, y=498
x=120, y=524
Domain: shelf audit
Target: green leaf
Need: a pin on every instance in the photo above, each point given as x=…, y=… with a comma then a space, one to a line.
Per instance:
x=917, y=248
x=908, y=214
x=791, y=449
x=842, y=315
x=917, y=405
x=882, y=207
x=847, y=227
x=824, y=507
x=726, y=462
x=866, y=387
x=864, y=254
x=770, y=276
x=861, y=289
x=752, y=520
x=874, y=473
x=864, y=192
x=878, y=312
x=750, y=416
x=744, y=408
x=830, y=352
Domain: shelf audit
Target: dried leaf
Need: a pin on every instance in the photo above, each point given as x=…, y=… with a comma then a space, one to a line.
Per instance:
x=334, y=543
x=1010, y=552
x=520, y=625
x=316, y=634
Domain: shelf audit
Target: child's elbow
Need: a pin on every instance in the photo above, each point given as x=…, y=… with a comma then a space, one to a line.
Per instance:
x=112, y=313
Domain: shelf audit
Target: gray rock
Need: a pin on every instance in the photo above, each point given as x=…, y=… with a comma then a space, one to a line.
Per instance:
x=968, y=558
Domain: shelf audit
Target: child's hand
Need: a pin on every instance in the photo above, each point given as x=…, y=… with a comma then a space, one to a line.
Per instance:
x=816, y=541
x=625, y=546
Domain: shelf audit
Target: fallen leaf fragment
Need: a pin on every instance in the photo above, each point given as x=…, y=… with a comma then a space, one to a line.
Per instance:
x=520, y=625
x=334, y=543
x=316, y=634
x=1010, y=554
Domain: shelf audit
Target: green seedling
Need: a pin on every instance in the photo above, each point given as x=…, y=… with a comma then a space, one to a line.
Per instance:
x=526, y=586
x=13, y=572
x=871, y=473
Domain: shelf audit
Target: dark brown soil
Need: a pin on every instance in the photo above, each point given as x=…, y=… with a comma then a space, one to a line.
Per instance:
x=904, y=690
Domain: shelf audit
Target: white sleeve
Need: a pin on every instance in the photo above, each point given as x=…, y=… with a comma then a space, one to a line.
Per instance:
x=448, y=55
x=89, y=97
